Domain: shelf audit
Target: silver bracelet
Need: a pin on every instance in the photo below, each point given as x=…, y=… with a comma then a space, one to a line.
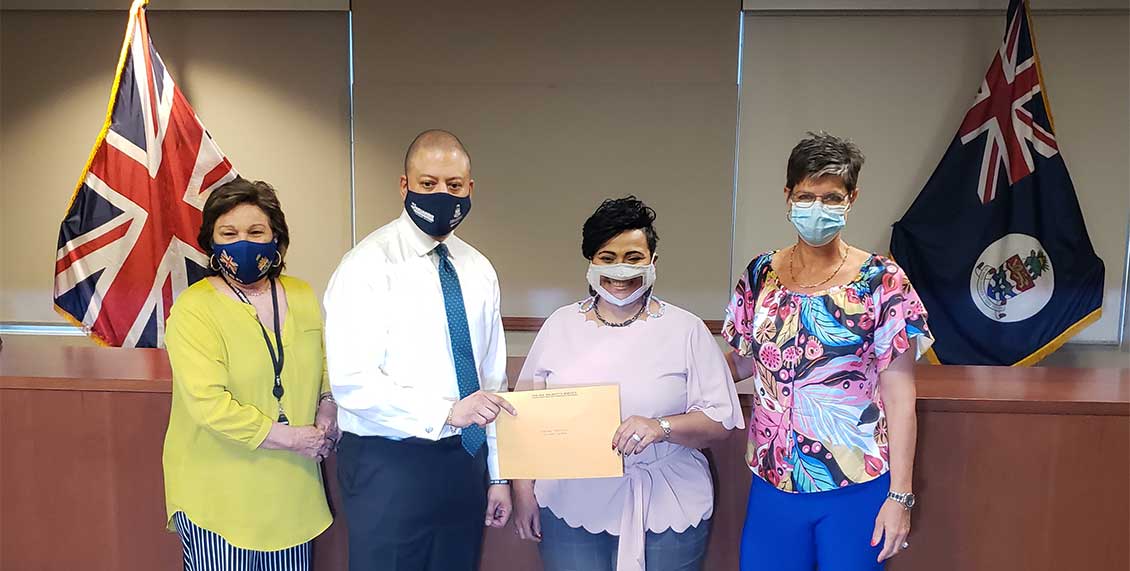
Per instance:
x=665, y=425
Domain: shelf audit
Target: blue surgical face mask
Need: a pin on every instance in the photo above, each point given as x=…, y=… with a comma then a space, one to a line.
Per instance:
x=817, y=224
x=245, y=262
x=438, y=213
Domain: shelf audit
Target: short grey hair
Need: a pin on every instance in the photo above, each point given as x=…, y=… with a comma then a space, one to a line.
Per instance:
x=819, y=155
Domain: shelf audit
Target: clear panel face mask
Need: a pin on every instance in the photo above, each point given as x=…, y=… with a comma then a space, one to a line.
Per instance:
x=621, y=272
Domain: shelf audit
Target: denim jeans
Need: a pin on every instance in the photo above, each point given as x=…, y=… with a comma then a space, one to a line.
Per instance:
x=565, y=548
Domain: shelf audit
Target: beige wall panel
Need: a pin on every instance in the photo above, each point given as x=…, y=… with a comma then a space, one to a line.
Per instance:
x=504, y=41
x=159, y=5
x=272, y=88
x=545, y=157
x=926, y=5
x=52, y=104
x=561, y=105
x=899, y=86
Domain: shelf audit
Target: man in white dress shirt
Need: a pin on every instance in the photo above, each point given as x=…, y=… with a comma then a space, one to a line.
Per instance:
x=415, y=349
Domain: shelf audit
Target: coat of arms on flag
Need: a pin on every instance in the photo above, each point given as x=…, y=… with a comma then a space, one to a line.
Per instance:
x=996, y=242
x=127, y=246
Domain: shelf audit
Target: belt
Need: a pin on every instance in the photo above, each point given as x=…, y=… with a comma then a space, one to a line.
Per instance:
x=633, y=534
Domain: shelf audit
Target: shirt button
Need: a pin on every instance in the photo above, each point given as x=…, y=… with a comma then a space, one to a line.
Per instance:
x=428, y=430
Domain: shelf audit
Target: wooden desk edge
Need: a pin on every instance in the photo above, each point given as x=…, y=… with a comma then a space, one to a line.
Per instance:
x=925, y=404
x=1084, y=408
x=86, y=385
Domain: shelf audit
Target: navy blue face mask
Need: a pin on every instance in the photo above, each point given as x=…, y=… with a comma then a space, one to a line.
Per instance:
x=438, y=213
x=245, y=262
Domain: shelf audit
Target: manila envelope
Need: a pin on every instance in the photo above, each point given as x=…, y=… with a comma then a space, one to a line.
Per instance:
x=560, y=434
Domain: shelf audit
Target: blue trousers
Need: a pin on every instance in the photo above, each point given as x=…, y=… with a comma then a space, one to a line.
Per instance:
x=829, y=531
x=413, y=504
x=565, y=548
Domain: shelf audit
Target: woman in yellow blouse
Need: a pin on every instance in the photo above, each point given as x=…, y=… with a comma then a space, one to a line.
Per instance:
x=252, y=415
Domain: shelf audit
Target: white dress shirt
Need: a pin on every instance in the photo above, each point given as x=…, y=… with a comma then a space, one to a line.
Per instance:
x=387, y=345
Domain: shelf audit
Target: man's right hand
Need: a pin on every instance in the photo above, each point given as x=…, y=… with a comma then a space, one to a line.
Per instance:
x=480, y=408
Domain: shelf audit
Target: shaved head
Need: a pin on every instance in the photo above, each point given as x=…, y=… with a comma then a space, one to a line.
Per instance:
x=435, y=141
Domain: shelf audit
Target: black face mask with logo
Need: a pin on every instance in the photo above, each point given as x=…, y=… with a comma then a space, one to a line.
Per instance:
x=437, y=214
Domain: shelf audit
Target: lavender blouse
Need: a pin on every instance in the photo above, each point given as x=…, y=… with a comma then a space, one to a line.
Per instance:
x=665, y=365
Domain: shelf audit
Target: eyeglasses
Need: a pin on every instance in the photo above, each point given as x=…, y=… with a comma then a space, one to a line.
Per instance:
x=806, y=199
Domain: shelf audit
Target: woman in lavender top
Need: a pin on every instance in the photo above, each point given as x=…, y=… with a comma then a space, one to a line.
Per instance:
x=676, y=395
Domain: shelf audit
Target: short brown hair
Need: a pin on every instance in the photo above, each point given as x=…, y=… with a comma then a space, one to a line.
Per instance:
x=243, y=191
x=819, y=155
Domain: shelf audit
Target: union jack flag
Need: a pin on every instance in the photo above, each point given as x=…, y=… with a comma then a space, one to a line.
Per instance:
x=1012, y=81
x=127, y=246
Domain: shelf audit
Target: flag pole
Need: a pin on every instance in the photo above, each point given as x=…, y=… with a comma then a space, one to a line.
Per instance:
x=1039, y=69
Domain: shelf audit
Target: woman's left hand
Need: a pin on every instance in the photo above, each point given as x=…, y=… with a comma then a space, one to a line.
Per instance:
x=636, y=434
x=892, y=526
x=326, y=419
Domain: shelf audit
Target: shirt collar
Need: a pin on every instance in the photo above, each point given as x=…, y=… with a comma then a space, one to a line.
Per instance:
x=420, y=243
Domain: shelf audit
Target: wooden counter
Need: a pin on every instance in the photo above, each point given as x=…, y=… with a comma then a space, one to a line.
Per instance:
x=1017, y=469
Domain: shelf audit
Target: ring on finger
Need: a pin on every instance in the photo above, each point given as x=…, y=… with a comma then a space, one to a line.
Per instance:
x=637, y=437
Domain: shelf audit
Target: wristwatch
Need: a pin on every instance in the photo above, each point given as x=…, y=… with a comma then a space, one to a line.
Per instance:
x=906, y=500
x=666, y=426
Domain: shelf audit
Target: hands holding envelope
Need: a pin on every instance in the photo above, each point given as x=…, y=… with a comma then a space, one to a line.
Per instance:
x=562, y=434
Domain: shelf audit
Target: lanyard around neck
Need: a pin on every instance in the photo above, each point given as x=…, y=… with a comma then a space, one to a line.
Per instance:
x=276, y=361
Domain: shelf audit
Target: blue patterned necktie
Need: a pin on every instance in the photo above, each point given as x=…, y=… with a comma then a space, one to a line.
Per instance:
x=460, y=335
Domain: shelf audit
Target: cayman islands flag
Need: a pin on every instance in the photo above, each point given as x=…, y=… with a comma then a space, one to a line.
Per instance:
x=127, y=246
x=996, y=243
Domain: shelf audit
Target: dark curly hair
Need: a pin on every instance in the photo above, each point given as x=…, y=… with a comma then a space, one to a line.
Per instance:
x=243, y=191
x=614, y=216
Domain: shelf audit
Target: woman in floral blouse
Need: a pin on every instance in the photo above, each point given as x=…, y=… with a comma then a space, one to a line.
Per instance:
x=820, y=326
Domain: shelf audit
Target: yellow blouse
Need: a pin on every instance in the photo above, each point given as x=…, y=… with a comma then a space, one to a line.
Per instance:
x=222, y=409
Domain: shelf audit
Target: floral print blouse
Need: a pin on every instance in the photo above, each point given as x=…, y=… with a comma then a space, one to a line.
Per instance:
x=818, y=422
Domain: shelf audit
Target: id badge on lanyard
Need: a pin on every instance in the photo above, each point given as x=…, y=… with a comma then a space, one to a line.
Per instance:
x=278, y=392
